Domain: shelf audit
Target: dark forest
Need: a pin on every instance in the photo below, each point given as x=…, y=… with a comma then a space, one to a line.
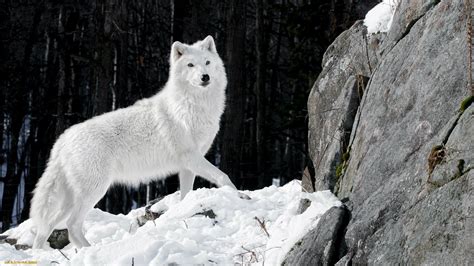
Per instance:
x=64, y=62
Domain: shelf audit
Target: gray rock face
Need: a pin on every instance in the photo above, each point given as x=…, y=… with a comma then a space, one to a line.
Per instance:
x=406, y=206
x=321, y=246
x=333, y=102
x=408, y=13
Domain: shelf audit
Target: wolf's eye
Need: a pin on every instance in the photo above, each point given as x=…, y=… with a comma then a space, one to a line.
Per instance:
x=190, y=65
x=208, y=62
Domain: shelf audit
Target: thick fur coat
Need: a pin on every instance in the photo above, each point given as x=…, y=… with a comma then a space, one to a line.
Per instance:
x=162, y=135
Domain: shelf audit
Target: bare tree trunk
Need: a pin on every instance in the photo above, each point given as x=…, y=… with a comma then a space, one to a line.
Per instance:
x=32, y=178
x=104, y=58
x=232, y=132
x=2, y=120
x=261, y=94
x=12, y=178
x=60, y=123
x=274, y=90
x=103, y=71
x=4, y=71
x=178, y=9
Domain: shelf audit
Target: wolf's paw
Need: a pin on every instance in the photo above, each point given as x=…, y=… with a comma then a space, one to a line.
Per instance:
x=244, y=196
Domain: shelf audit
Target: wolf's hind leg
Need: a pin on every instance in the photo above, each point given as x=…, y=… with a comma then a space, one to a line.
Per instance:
x=74, y=226
x=186, y=181
x=84, y=203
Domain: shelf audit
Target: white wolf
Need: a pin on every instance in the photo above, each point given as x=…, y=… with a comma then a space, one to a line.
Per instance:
x=165, y=134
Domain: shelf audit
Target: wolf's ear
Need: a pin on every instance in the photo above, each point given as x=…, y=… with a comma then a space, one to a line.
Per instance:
x=208, y=44
x=177, y=50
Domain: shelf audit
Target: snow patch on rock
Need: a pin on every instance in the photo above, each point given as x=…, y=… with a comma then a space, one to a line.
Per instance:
x=379, y=18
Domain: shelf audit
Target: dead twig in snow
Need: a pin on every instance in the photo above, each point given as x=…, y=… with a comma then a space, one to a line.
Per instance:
x=254, y=254
x=63, y=254
x=262, y=225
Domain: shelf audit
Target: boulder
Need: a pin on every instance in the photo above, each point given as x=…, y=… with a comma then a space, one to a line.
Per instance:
x=323, y=244
x=59, y=239
x=407, y=173
x=333, y=103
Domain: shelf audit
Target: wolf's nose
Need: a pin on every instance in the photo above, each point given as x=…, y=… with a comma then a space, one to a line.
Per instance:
x=205, y=78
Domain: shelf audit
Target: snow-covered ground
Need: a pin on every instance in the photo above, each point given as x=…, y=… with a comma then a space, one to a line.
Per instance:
x=234, y=236
x=379, y=18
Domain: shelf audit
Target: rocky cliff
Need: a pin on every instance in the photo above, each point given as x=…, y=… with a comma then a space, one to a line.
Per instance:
x=391, y=133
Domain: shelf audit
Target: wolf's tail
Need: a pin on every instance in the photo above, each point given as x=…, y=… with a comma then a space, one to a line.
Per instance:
x=44, y=194
x=51, y=198
x=50, y=194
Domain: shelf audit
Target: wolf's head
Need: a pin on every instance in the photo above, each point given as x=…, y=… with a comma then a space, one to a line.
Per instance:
x=198, y=64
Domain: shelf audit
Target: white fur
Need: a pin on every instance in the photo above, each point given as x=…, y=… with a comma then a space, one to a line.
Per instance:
x=165, y=134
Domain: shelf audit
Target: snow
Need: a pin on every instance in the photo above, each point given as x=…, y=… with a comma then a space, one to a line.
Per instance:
x=179, y=236
x=379, y=18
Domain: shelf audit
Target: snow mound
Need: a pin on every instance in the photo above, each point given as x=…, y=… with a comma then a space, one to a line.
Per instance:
x=379, y=18
x=256, y=231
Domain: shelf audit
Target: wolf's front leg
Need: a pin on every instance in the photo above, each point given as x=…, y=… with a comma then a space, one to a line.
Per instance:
x=202, y=167
x=186, y=181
